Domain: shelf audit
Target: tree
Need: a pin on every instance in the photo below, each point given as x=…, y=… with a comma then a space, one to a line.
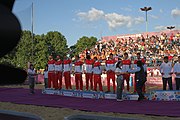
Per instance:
x=36, y=50
x=57, y=43
x=41, y=51
x=24, y=50
x=85, y=43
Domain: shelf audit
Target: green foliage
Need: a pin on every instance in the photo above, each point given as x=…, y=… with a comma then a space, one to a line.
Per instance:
x=84, y=43
x=37, y=49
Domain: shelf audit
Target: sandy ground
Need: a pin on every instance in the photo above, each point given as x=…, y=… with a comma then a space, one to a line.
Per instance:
x=50, y=113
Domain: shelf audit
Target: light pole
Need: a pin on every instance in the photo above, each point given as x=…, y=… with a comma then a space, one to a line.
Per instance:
x=146, y=9
x=170, y=27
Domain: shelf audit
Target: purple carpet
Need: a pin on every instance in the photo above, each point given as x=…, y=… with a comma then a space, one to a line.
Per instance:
x=22, y=96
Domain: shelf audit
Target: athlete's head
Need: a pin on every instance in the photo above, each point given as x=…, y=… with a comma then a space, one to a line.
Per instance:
x=125, y=55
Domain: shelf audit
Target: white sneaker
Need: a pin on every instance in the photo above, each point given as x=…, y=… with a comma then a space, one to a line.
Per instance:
x=119, y=100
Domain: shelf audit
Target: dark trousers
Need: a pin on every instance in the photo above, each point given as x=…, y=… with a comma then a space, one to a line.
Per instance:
x=177, y=83
x=31, y=84
x=120, y=84
x=46, y=82
x=169, y=81
x=139, y=86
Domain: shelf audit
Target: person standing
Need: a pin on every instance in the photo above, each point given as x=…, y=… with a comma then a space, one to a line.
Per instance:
x=144, y=65
x=58, y=73
x=97, y=71
x=88, y=72
x=51, y=73
x=126, y=64
x=110, y=70
x=78, y=73
x=120, y=81
x=166, y=71
x=67, y=67
x=141, y=78
x=46, y=77
x=31, y=78
x=177, y=73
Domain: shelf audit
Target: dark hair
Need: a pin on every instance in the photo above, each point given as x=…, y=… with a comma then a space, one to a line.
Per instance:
x=31, y=65
x=110, y=54
x=77, y=56
x=166, y=57
x=88, y=57
x=125, y=53
x=178, y=56
x=46, y=65
x=95, y=58
x=138, y=53
x=139, y=63
x=117, y=65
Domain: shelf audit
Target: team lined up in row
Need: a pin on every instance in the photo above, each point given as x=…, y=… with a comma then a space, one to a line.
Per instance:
x=93, y=70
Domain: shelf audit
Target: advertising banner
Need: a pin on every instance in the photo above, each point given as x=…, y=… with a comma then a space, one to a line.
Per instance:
x=158, y=95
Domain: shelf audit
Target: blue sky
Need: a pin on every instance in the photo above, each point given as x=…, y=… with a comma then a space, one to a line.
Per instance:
x=77, y=18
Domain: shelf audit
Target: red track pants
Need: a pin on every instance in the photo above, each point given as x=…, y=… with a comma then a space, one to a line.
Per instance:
x=51, y=79
x=89, y=78
x=67, y=78
x=97, y=80
x=58, y=78
x=78, y=80
x=111, y=75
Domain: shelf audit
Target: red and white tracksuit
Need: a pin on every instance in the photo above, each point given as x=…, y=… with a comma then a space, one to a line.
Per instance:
x=97, y=71
x=67, y=73
x=51, y=73
x=110, y=68
x=58, y=74
x=88, y=73
x=78, y=74
x=134, y=83
x=126, y=64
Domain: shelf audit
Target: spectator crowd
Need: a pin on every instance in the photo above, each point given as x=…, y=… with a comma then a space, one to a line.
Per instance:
x=153, y=48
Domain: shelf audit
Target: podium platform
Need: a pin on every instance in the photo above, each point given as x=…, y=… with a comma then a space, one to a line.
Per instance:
x=157, y=95
x=90, y=94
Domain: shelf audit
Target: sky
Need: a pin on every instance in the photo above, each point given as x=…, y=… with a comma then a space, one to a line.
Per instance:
x=98, y=18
